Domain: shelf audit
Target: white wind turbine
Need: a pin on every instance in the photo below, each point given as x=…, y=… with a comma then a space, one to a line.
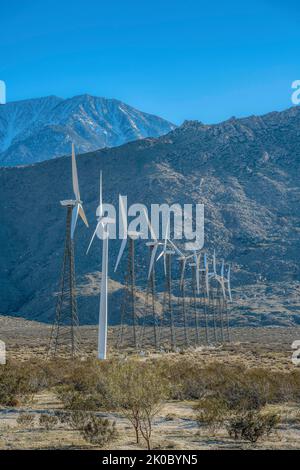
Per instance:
x=77, y=203
x=214, y=264
x=183, y=258
x=133, y=236
x=206, y=268
x=221, y=280
x=218, y=277
x=167, y=251
x=102, y=231
x=227, y=281
x=68, y=308
x=153, y=245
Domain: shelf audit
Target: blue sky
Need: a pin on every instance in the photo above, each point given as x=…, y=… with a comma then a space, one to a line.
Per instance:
x=178, y=59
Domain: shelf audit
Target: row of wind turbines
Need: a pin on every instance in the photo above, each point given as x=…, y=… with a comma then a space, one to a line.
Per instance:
x=65, y=327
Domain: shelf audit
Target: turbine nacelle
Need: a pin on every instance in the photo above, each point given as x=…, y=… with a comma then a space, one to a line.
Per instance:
x=68, y=202
x=134, y=235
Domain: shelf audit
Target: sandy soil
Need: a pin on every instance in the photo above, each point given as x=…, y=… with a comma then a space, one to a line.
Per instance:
x=175, y=426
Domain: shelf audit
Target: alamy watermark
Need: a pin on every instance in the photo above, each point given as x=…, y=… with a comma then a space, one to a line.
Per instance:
x=181, y=222
x=2, y=92
x=296, y=94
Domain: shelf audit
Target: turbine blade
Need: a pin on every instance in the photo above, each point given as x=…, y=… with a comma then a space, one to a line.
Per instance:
x=153, y=234
x=214, y=262
x=152, y=259
x=122, y=248
x=82, y=215
x=160, y=255
x=75, y=175
x=222, y=269
x=207, y=283
x=123, y=216
x=229, y=292
x=176, y=249
x=165, y=264
x=75, y=212
x=92, y=239
x=228, y=273
x=100, y=197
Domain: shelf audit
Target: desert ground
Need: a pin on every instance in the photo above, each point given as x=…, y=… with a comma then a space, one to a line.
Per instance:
x=175, y=426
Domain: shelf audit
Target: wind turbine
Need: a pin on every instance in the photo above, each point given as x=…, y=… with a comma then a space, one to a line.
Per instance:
x=214, y=273
x=183, y=258
x=133, y=236
x=66, y=321
x=102, y=231
x=227, y=281
x=195, y=266
x=153, y=246
x=167, y=253
x=204, y=291
x=220, y=299
x=210, y=290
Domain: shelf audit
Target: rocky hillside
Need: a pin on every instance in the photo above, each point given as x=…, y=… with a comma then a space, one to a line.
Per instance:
x=245, y=171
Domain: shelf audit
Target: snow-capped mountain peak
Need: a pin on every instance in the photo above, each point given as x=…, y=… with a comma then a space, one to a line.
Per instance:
x=43, y=128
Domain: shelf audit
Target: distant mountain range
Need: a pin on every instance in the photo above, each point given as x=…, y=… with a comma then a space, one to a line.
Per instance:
x=245, y=171
x=40, y=129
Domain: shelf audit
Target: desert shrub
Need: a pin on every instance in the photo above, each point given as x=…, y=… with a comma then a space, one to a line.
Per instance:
x=243, y=396
x=48, y=421
x=98, y=430
x=252, y=425
x=211, y=412
x=137, y=390
x=185, y=376
x=242, y=388
x=78, y=400
x=288, y=386
x=94, y=429
x=86, y=386
x=15, y=385
x=25, y=420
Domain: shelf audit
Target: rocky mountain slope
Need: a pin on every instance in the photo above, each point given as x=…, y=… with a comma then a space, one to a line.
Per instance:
x=245, y=171
x=40, y=129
